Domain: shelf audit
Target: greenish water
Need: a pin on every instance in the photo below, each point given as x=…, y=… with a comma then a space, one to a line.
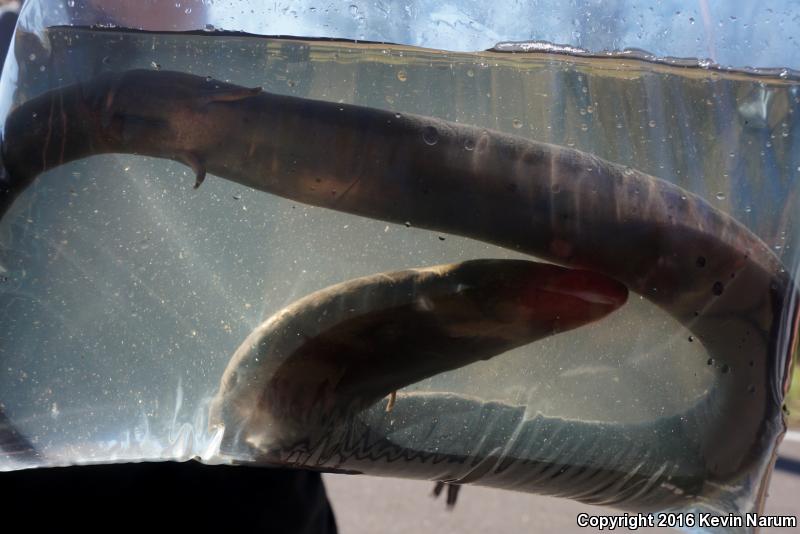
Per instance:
x=126, y=291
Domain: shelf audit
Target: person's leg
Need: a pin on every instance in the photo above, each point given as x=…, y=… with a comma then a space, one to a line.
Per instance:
x=168, y=494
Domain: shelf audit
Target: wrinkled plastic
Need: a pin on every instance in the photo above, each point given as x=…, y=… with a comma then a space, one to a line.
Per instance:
x=132, y=301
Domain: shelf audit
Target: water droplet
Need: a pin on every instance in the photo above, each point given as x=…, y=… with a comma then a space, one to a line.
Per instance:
x=651, y=123
x=589, y=109
x=720, y=195
x=155, y=65
x=237, y=196
x=691, y=20
x=354, y=10
x=32, y=57
x=469, y=144
x=397, y=115
x=748, y=209
x=718, y=288
x=701, y=261
x=584, y=127
x=441, y=238
x=71, y=3
x=42, y=68
x=408, y=224
x=209, y=28
x=401, y=75
x=691, y=339
x=470, y=73
x=430, y=135
x=516, y=123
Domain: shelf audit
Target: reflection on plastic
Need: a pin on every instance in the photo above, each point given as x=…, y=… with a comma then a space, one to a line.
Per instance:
x=705, y=269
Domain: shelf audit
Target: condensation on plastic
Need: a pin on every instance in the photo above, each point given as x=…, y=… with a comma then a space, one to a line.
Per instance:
x=125, y=293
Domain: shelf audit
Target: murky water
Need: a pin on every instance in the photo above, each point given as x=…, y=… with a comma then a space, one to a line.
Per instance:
x=125, y=291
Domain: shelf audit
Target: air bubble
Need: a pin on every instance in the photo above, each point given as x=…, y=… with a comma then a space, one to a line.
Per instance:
x=717, y=288
x=469, y=144
x=652, y=124
x=516, y=123
x=720, y=195
x=430, y=135
x=402, y=75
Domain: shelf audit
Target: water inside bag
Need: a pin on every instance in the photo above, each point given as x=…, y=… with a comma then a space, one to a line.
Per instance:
x=125, y=291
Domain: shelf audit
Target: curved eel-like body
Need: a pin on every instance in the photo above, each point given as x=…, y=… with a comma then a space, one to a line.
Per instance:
x=338, y=351
x=695, y=262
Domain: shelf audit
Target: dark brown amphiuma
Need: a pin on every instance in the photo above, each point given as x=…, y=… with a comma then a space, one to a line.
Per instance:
x=340, y=350
x=699, y=265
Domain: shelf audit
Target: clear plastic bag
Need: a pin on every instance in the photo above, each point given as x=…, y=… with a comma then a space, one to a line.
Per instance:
x=135, y=307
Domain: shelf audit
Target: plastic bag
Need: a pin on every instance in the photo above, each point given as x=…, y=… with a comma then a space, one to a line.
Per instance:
x=127, y=293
